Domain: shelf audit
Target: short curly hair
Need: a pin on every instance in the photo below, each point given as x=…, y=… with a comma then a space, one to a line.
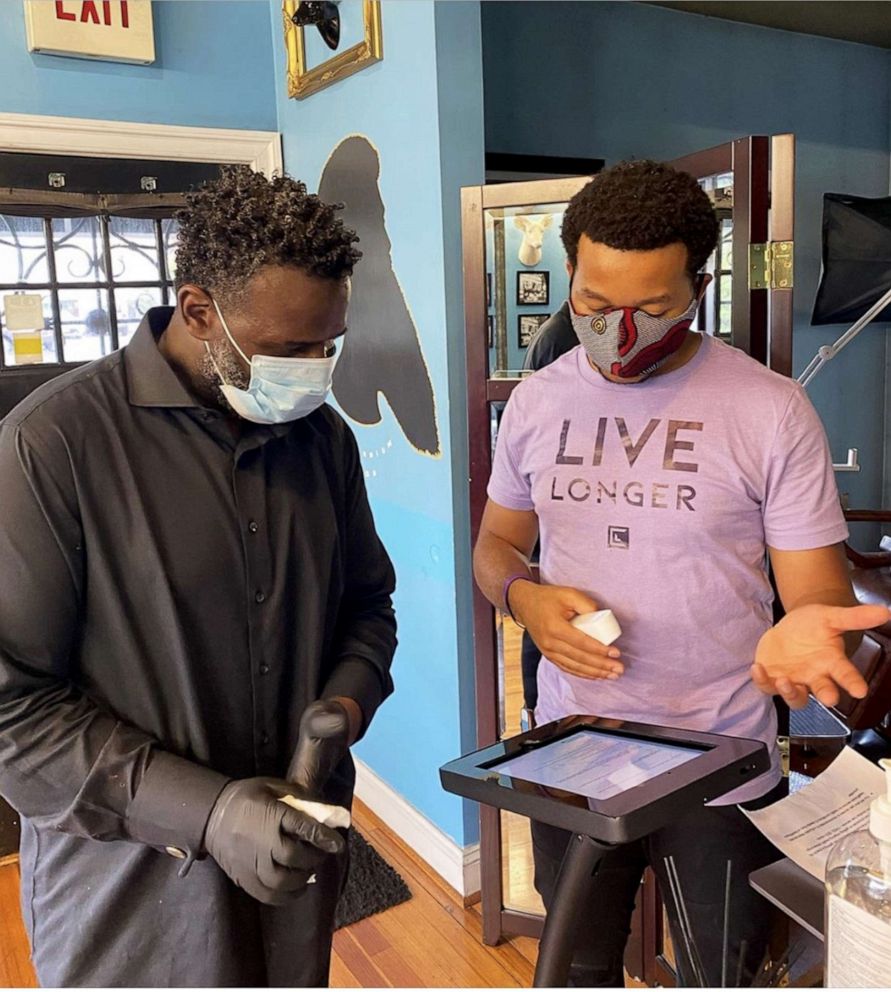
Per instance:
x=639, y=206
x=233, y=226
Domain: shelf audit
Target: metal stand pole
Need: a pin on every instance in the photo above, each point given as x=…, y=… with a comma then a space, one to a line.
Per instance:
x=580, y=864
x=829, y=351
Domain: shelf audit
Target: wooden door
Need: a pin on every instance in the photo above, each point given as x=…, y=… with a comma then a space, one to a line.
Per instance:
x=751, y=184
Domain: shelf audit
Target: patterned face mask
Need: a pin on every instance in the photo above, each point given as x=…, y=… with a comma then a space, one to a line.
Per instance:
x=631, y=343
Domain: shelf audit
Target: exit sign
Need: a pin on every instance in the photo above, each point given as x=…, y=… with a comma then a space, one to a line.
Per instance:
x=115, y=30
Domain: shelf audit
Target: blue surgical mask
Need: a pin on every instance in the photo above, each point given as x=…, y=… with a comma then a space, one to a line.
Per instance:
x=280, y=389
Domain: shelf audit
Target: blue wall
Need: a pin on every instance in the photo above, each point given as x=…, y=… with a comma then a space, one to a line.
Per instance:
x=460, y=89
x=627, y=80
x=213, y=68
x=421, y=108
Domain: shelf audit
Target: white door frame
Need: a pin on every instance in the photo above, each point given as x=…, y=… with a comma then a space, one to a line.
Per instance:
x=262, y=150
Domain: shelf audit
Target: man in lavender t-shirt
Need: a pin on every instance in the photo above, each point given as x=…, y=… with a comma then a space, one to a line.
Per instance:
x=660, y=468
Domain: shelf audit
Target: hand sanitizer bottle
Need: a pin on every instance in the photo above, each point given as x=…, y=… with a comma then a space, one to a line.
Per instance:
x=858, y=901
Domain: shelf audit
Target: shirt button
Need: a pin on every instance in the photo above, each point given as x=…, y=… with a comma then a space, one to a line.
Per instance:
x=253, y=526
x=260, y=597
x=175, y=852
x=264, y=669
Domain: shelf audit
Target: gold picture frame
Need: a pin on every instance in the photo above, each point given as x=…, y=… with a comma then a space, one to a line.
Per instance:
x=303, y=81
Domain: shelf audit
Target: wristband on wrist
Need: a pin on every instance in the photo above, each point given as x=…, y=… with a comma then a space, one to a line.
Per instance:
x=508, y=582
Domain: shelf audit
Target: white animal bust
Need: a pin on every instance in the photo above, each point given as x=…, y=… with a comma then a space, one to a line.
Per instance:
x=533, y=229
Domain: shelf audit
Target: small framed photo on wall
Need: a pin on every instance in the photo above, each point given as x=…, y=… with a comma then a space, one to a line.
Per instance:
x=528, y=325
x=533, y=288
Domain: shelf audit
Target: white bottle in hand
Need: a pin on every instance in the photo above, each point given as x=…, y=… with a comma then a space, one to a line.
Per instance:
x=858, y=902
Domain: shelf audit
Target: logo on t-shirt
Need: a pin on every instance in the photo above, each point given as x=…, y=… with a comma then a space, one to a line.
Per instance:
x=618, y=537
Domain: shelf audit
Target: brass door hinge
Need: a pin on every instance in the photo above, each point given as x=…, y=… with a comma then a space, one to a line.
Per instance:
x=783, y=746
x=770, y=265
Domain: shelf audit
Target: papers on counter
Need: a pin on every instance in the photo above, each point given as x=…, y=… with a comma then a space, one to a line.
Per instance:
x=806, y=825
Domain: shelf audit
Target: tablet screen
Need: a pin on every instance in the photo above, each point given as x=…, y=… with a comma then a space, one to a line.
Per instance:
x=596, y=765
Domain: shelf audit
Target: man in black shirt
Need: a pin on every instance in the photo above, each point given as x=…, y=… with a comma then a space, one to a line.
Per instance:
x=195, y=617
x=554, y=338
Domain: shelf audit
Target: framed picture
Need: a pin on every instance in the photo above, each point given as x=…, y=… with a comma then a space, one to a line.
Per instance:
x=491, y=323
x=528, y=325
x=488, y=289
x=326, y=42
x=533, y=288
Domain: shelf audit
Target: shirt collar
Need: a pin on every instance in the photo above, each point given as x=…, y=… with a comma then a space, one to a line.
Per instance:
x=150, y=379
x=151, y=382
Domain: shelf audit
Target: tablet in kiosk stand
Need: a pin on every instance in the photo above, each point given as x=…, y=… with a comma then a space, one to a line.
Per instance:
x=606, y=781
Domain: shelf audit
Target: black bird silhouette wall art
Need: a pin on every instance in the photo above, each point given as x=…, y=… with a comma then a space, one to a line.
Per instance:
x=382, y=351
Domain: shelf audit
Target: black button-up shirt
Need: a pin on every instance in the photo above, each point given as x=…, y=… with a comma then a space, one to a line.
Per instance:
x=172, y=595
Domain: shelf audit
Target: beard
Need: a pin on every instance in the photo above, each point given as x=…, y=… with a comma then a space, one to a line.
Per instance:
x=231, y=370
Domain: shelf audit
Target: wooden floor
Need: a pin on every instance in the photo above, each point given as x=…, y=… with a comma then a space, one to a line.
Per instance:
x=429, y=941
x=15, y=961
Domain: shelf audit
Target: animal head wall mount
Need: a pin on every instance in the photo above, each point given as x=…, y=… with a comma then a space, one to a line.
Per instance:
x=533, y=229
x=324, y=15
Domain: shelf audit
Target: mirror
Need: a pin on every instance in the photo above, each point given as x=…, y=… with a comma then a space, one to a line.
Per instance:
x=526, y=280
x=518, y=869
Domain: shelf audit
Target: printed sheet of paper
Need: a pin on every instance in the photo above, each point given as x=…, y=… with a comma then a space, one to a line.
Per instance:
x=24, y=311
x=806, y=825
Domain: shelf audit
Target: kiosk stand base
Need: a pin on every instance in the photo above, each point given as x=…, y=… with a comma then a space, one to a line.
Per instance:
x=558, y=939
x=613, y=781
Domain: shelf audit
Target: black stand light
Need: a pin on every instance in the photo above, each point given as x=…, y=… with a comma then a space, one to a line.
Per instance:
x=856, y=280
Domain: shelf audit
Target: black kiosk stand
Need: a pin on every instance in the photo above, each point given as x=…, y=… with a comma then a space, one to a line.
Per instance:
x=608, y=783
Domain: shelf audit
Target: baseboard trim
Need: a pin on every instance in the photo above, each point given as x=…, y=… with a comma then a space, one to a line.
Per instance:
x=458, y=867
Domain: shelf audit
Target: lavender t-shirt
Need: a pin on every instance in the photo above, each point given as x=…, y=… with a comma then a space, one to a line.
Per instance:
x=658, y=500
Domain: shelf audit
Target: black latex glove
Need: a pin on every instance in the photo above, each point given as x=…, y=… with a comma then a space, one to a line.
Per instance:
x=267, y=848
x=324, y=740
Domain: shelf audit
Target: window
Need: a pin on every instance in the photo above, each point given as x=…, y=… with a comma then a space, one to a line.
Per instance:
x=715, y=315
x=85, y=283
x=723, y=273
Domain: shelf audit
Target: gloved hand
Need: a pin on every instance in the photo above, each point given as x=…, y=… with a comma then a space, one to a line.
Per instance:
x=323, y=740
x=267, y=848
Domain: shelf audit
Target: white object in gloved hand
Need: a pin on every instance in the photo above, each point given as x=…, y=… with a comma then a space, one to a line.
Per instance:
x=324, y=813
x=601, y=625
x=259, y=845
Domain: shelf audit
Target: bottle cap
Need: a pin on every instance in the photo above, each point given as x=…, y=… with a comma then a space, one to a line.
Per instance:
x=880, y=808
